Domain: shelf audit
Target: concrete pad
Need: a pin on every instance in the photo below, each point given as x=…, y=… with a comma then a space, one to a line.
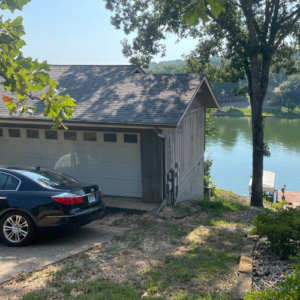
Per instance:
x=244, y=283
x=129, y=203
x=247, y=249
x=48, y=249
x=243, y=286
x=245, y=265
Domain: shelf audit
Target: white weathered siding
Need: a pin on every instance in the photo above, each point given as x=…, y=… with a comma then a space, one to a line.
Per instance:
x=186, y=145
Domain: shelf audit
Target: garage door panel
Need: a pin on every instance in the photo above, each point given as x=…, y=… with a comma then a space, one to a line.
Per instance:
x=115, y=167
x=116, y=188
x=109, y=154
x=129, y=187
x=131, y=174
x=130, y=155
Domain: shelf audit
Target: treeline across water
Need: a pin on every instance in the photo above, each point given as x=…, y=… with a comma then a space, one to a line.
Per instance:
x=178, y=67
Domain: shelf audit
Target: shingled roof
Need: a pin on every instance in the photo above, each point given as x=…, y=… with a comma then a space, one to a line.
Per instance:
x=115, y=94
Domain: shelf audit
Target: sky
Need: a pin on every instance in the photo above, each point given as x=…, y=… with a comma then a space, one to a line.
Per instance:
x=79, y=32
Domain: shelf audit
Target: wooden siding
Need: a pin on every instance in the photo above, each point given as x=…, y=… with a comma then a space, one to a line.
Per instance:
x=152, y=167
x=186, y=145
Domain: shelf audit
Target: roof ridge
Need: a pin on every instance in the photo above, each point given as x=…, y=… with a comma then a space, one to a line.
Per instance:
x=93, y=65
x=202, y=74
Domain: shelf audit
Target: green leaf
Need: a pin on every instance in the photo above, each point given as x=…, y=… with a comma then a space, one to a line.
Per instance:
x=191, y=17
x=11, y=107
x=69, y=101
x=217, y=6
x=17, y=22
x=12, y=5
x=199, y=11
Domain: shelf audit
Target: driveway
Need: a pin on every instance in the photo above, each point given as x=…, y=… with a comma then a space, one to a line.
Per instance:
x=49, y=249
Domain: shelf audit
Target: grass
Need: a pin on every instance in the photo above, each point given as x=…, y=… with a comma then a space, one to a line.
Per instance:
x=200, y=269
x=175, y=230
x=222, y=202
x=219, y=205
x=96, y=289
x=207, y=260
x=225, y=223
x=266, y=112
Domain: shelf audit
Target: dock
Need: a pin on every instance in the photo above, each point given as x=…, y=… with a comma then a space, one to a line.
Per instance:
x=268, y=183
x=293, y=198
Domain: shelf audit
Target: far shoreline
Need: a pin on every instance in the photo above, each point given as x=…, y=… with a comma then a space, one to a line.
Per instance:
x=235, y=115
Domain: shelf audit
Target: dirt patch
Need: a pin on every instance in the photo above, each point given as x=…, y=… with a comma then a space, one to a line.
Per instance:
x=172, y=260
x=224, y=210
x=167, y=260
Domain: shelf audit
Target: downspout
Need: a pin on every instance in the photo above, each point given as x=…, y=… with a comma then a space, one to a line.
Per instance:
x=163, y=203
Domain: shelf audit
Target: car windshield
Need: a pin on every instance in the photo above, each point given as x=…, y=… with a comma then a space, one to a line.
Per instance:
x=48, y=177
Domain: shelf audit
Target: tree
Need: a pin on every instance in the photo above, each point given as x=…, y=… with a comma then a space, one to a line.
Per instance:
x=167, y=67
x=251, y=36
x=289, y=94
x=23, y=78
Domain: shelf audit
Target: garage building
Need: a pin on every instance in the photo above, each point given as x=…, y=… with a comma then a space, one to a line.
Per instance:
x=134, y=134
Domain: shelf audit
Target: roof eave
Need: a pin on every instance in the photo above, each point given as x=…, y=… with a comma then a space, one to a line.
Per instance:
x=85, y=123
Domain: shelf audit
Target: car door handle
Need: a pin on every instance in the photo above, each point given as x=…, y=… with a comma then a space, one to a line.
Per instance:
x=2, y=198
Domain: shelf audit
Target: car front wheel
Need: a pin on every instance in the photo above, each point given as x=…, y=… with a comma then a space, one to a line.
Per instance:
x=17, y=229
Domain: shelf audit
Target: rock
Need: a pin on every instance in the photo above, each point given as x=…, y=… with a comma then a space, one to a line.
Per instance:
x=186, y=204
x=268, y=269
x=167, y=217
x=179, y=215
x=184, y=241
x=194, y=210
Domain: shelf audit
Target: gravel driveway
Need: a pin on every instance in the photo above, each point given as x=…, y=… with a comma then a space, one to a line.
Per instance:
x=48, y=249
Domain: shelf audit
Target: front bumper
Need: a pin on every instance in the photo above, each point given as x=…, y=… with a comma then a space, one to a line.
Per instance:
x=72, y=220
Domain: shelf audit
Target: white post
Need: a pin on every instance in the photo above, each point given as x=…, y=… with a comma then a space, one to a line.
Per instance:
x=209, y=191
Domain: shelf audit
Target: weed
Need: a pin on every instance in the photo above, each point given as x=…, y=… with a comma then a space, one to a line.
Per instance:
x=83, y=255
x=40, y=295
x=50, y=272
x=175, y=230
x=280, y=205
x=23, y=277
x=121, y=264
x=67, y=288
x=155, y=275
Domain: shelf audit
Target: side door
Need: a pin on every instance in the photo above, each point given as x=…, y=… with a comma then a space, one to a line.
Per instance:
x=8, y=187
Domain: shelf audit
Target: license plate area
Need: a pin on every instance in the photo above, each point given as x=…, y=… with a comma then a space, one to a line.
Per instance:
x=91, y=198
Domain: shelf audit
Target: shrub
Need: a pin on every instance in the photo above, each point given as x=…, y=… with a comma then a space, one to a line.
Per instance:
x=279, y=205
x=282, y=229
x=287, y=290
x=207, y=177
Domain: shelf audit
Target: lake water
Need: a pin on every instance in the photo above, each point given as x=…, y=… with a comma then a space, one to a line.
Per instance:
x=231, y=152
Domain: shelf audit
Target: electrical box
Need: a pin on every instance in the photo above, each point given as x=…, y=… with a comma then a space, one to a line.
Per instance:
x=177, y=164
x=169, y=176
x=176, y=173
x=169, y=186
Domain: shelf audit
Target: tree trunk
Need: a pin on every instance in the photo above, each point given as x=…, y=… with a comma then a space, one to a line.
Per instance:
x=258, y=147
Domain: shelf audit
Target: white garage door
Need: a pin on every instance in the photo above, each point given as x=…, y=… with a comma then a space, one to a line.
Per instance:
x=112, y=160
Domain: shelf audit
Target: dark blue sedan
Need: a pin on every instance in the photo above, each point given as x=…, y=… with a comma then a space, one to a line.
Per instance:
x=37, y=201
